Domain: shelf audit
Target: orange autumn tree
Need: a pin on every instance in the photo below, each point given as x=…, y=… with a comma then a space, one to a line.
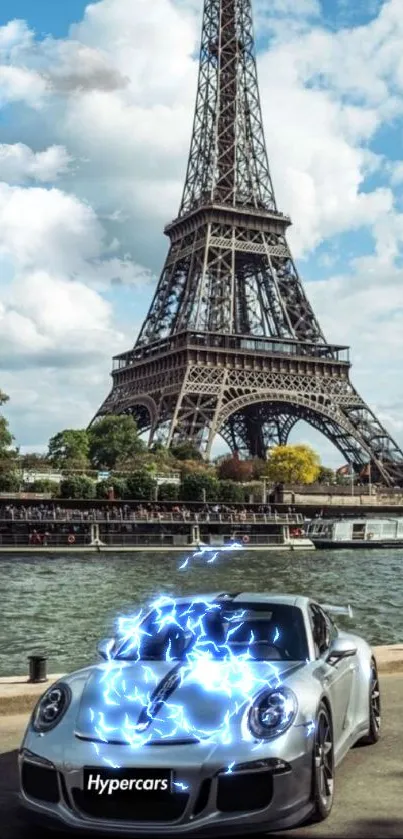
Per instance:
x=234, y=469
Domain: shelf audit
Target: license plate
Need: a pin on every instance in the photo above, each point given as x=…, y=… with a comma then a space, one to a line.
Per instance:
x=123, y=784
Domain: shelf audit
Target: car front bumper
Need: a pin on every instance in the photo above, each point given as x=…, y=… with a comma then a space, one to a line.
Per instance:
x=211, y=800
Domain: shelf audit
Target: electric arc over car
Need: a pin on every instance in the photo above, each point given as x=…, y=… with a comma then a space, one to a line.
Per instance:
x=220, y=714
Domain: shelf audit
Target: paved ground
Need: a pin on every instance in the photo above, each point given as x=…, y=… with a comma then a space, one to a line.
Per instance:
x=369, y=784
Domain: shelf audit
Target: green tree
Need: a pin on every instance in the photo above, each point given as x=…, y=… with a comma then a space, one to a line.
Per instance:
x=141, y=486
x=185, y=451
x=253, y=492
x=195, y=467
x=199, y=487
x=297, y=464
x=6, y=438
x=9, y=481
x=260, y=468
x=326, y=476
x=119, y=486
x=77, y=486
x=159, y=449
x=112, y=439
x=43, y=486
x=168, y=492
x=234, y=469
x=231, y=492
x=68, y=450
x=33, y=462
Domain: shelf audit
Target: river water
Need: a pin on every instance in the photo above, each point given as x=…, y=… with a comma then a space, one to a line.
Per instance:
x=61, y=606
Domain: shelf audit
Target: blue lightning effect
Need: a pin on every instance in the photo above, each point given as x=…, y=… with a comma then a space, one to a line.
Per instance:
x=175, y=673
x=211, y=552
x=311, y=728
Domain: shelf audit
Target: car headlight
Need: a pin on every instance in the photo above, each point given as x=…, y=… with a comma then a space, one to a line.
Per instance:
x=51, y=707
x=272, y=713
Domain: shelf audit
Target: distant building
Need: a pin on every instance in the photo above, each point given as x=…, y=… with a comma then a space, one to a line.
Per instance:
x=29, y=477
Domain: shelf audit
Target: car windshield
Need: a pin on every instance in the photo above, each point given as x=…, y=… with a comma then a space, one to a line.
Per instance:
x=186, y=631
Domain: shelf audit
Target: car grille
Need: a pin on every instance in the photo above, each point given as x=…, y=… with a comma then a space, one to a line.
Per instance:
x=244, y=791
x=40, y=782
x=143, y=809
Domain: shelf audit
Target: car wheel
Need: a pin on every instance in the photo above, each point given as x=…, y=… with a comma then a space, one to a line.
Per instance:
x=323, y=766
x=374, y=708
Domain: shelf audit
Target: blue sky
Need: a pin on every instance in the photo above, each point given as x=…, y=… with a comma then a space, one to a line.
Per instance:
x=95, y=132
x=44, y=16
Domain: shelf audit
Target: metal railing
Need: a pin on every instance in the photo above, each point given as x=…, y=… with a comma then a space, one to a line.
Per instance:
x=250, y=343
x=128, y=517
x=159, y=541
x=53, y=540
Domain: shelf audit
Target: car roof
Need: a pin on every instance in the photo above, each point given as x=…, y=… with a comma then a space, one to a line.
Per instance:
x=246, y=597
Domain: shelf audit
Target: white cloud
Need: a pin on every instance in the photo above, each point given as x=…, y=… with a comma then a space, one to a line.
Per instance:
x=304, y=8
x=318, y=146
x=150, y=43
x=52, y=321
x=19, y=163
x=15, y=38
x=396, y=172
x=20, y=85
x=46, y=228
x=72, y=66
x=61, y=397
x=54, y=263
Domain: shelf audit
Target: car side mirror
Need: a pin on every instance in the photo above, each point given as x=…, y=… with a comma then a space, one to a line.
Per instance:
x=104, y=648
x=340, y=648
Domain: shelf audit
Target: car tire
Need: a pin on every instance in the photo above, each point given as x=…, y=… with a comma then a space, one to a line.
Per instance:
x=374, y=730
x=322, y=766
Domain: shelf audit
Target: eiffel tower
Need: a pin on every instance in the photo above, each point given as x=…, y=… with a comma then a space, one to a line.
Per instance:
x=231, y=345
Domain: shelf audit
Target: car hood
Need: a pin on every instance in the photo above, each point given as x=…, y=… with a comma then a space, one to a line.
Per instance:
x=143, y=702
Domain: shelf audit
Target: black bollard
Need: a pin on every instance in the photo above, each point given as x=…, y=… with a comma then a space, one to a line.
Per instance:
x=37, y=669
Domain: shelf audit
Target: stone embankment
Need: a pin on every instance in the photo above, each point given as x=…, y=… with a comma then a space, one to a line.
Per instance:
x=17, y=696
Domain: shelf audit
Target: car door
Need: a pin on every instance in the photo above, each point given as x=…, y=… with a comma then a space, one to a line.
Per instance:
x=337, y=678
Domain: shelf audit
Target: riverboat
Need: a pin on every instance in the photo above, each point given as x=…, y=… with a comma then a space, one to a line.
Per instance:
x=374, y=532
x=58, y=529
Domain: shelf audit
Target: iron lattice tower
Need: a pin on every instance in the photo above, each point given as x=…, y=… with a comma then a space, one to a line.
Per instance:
x=231, y=344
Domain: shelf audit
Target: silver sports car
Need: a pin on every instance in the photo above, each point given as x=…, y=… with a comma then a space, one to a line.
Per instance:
x=220, y=714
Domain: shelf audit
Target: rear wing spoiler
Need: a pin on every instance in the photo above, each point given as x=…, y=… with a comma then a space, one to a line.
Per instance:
x=338, y=610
